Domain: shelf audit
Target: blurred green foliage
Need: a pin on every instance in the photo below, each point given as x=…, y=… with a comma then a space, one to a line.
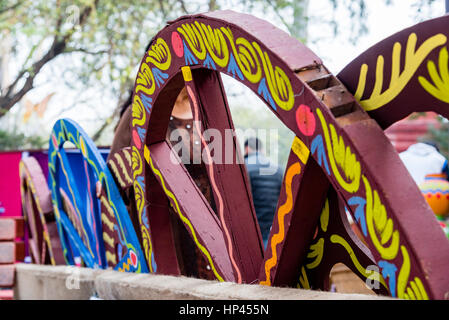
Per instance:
x=19, y=141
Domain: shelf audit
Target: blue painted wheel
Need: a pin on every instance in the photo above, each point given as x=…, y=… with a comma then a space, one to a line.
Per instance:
x=88, y=220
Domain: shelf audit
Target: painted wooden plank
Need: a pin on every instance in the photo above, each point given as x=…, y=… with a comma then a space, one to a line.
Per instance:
x=7, y=275
x=229, y=181
x=161, y=228
x=11, y=228
x=7, y=229
x=7, y=252
x=193, y=209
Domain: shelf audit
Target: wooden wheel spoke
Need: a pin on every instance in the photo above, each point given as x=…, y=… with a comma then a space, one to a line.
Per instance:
x=71, y=185
x=227, y=174
x=190, y=205
x=303, y=192
x=75, y=238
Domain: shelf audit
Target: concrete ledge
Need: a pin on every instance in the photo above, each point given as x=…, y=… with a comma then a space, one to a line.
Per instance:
x=44, y=282
x=63, y=282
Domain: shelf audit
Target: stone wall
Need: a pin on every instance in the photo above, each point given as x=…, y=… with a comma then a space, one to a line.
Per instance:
x=64, y=282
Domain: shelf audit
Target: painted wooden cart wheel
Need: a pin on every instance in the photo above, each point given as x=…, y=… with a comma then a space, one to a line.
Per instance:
x=340, y=154
x=38, y=213
x=92, y=218
x=405, y=73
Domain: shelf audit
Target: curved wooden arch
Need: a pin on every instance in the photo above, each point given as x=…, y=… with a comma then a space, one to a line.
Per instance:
x=404, y=73
x=338, y=145
x=98, y=226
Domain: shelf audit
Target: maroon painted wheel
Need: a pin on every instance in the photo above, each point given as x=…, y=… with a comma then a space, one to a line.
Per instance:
x=44, y=244
x=340, y=158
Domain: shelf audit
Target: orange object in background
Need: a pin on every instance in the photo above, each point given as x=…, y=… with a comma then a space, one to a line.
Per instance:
x=435, y=190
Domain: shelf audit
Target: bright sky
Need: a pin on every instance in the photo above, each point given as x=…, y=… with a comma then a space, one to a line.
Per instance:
x=382, y=21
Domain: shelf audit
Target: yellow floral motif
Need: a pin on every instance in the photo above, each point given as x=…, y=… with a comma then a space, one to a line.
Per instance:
x=416, y=290
x=399, y=80
x=363, y=271
x=110, y=257
x=441, y=80
x=278, y=82
x=145, y=80
x=106, y=221
x=202, y=39
x=380, y=225
x=140, y=199
x=159, y=55
x=303, y=280
x=108, y=240
x=122, y=165
x=342, y=155
x=194, y=39
x=147, y=245
x=324, y=217
x=316, y=251
x=116, y=172
x=137, y=167
x=215, y=44
x=136, y=162
x=245, y=56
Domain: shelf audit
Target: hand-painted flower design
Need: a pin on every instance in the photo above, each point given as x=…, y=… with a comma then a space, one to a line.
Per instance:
x=305, y=120
x=136, y=139
x=177, y=44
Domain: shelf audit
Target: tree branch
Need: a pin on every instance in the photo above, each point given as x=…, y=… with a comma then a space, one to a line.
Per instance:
x=70, y=50
x=183, y=6
x=106, y=123
x=58, y=46
x=12, y=7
